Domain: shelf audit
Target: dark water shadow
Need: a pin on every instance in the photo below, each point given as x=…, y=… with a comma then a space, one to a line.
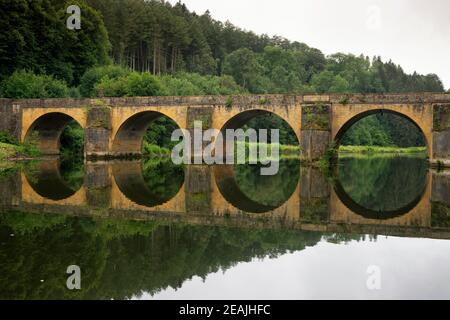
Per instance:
x=55, y=179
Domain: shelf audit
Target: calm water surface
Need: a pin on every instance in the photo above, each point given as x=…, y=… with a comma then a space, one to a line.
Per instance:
x=153, y=230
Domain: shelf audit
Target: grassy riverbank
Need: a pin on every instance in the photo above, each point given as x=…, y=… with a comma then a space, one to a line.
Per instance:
x=376, y=149
x=10, y=151
x=155, y=151
x=284, y=151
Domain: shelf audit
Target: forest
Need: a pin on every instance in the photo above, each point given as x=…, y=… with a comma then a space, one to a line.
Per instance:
x=144, y=48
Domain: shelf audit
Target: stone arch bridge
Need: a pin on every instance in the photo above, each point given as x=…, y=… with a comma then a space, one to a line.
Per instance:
x=116, y=126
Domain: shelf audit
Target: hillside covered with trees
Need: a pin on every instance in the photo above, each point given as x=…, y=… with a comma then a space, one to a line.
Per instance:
x=137, y=47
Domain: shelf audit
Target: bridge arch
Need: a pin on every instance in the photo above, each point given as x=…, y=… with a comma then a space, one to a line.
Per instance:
x=418, y=116
x=236, y=120
x=129, y=134
x=237, y=117
x=48, y=128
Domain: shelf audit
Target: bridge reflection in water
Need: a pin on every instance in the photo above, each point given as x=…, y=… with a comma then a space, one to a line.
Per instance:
x=299, y=198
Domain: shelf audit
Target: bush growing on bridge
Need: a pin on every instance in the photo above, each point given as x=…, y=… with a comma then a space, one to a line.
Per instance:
x=27, y=85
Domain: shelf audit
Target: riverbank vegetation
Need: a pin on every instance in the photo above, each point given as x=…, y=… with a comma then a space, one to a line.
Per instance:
x=11, y=149
x=376, y=149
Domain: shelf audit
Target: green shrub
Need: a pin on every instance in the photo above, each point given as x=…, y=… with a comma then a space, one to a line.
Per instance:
x=94, y=76
x=6, y=137
x=74, y=92
x=72, y=140
x=211, y=85
x=30, y=147
x=175, y=86
x=26, y=85
x=110, y=87
x=134, y=84
x=143, y=84
x=155, y=150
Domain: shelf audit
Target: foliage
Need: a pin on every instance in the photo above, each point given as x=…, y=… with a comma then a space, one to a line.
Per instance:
x=133, y=84
x=7, y=150
x=6, y=137
x=244, y=67
x=376, y=149
x=383, y=183
x=287, y=135
x=159, y=132
x=94, y=75
x=34, y=36
x=384, y=130
x=121, y=259
x=164, y=49
x=72, y=140
x=30, y=146
x=157, y=37
x=328, y=160
x=155, y=150
x=28, y=149
x=271, y=190
x=183, y=83
x=25, y=84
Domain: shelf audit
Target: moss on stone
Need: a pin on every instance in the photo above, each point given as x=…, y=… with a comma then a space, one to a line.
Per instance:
x=441, y=117
x=99, y=117
x=316, y=117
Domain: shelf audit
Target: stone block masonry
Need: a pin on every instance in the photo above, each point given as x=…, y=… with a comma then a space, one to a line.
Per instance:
x=116, y=126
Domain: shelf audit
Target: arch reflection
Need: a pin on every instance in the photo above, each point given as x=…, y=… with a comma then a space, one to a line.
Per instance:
x=55, y=179
x=381, y=187
x=246, y=189
x=148, y=183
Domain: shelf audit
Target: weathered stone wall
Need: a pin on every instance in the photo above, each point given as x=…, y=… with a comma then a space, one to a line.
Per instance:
x=198, y=188
x=441, y=132
x=204, y=116
x=10, y=118
x=97, y=131
x=440, y=200
x=315, y=130
x=97, y=182
x=10, y=188
x=314, y=196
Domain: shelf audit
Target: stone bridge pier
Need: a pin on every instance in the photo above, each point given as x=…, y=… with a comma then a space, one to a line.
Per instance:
x=115, y=127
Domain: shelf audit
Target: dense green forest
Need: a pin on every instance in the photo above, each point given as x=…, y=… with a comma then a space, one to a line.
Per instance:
x=137, y=47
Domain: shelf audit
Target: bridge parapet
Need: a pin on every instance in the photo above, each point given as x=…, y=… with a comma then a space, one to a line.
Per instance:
x=236, y=100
